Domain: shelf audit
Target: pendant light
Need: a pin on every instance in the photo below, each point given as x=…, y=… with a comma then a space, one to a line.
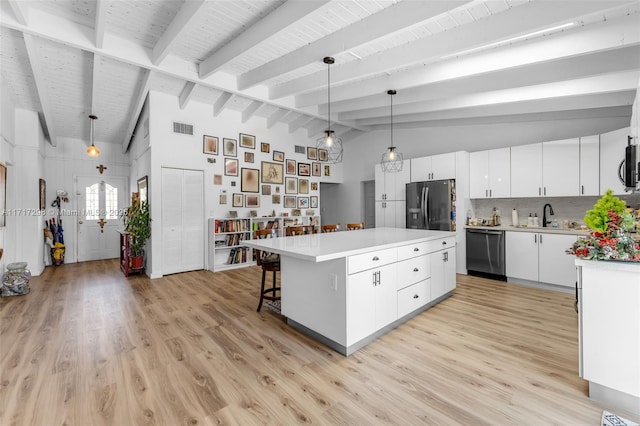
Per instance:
x=93, y=150
x=392, y=158
x=330, y=142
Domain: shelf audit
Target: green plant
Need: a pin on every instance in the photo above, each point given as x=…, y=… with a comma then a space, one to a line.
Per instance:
x=598, y=218
x=137, y=222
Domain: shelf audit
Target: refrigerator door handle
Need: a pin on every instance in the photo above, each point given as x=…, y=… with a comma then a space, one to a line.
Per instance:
x=425, y=206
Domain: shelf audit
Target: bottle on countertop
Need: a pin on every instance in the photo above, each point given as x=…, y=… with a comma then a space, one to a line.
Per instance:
x=530, y=220
x=468, y=216
x=514, y=217
x=498, y=218
x=536, y=221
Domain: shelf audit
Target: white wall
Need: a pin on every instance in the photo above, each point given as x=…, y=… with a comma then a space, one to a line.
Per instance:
x=169, y=149
x=63, y=164
x=7, y=138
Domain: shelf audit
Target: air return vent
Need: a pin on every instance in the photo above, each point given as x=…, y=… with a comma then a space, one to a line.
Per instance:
x=300, y=149
x=185, y=129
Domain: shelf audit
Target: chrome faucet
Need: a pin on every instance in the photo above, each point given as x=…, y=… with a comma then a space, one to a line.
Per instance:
x=544, y=214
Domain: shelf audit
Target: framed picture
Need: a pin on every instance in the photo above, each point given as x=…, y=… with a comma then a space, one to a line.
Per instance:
x=43, y=194
x=217, y=179
x=238, y=200
x=296, y=212
x=315, y=169
x=279, y=156
x=252, y=200
x=230, y=167
x=289, y=202
x=143, y=189
x=248, y=157
x=314, y=202
x=210, y=145
x=303, y=202
x=303, y=186
x=230, y=147
x=253, y=213
x=304, y=169
x=314, y=186
x=312, y=153
x=247, y=141
x=291, y=167
x=272, y=173
x=264, y=147
x=250, y=180
x=275, y=198
x=223, y=198
x=233, y=213
x=323, y=155
x=291, y=185
x=277, y=189
x=266, y=189
x=327, y=170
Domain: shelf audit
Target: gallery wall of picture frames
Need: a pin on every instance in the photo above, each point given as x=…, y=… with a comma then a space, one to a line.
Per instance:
x=256, y=174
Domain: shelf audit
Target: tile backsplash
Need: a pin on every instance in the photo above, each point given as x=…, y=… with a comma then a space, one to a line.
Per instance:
x=571, y=208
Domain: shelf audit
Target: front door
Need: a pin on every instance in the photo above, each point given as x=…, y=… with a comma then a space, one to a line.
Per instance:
x=101, y=200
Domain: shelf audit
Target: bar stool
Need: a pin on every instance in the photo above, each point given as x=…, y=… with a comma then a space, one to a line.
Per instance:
x=294, y=230
x=268, y=262
x=330, y=228
x=355, y=226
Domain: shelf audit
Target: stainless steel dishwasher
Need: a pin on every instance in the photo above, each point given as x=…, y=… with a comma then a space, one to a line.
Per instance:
x=485, y=253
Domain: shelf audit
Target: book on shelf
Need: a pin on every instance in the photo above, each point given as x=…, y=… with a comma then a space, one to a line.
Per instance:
x=235, y=225
x=237, y=255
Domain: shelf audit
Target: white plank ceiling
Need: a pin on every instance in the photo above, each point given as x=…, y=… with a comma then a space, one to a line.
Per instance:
x=452, y=62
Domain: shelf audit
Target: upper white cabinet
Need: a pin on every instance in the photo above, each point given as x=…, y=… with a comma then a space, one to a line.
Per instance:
x=561, y=168
x=392, y=186
x=611, y=155
x=590, y=165
x=490, y=174
x=526, y=170
x=435, y=167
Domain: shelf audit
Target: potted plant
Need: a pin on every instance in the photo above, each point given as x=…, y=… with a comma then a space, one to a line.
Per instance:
x=137, y=224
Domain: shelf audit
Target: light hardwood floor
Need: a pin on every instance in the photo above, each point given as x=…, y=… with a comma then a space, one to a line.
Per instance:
x=88, y=346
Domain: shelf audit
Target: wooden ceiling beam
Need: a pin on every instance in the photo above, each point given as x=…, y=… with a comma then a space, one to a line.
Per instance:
x=180, y=23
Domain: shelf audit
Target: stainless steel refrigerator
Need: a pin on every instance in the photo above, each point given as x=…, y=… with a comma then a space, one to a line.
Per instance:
x=432, y=205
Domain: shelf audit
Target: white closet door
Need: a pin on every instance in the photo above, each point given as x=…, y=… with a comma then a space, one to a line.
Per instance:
x=182, y=221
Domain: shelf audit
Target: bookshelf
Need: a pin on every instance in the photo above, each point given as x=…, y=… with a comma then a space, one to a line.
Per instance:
x=226, y=236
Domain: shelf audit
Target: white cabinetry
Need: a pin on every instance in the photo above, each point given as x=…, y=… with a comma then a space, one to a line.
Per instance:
x=611, y=154
x=540, y=257
x=526, y=170
x=561, y=168
x=443, y=269
x=490, y=173
x=390, y=197
x=435, y=167
x=391, y=186
x=590, y=165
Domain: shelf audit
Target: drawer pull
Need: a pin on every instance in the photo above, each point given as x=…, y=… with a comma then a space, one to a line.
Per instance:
x=416, y=249
x=444, y=243
x=375, y=258
x=415, y=296
x=415, y=269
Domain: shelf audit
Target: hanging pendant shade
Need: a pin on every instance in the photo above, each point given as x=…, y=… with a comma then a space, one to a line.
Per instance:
x=330, y=141
x=93, y=150
x=392, y=159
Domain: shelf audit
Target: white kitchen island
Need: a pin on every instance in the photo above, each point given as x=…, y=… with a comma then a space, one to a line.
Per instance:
x=346, y=289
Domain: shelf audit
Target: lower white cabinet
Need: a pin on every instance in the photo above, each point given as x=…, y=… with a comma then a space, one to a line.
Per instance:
x=391, y=214
x=372, y=301
x=443, y=271
x=540, y=257
x=413, y=297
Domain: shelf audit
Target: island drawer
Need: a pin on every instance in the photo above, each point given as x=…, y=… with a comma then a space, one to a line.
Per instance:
x=373, y=259
x=441, y=244
x=413, y=297
x=412, y=250
x=413, y=270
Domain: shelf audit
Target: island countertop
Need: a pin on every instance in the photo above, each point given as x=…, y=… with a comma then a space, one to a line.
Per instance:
x=334, y=245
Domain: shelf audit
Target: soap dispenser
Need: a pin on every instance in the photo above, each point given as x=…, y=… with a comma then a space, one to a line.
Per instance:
x=536, y=221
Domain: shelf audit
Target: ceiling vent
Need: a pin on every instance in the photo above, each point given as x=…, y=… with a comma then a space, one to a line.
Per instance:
x=185, y=129
x=300, y=149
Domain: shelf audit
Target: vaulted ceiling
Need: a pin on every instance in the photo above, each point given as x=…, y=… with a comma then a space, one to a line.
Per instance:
x=451, y=62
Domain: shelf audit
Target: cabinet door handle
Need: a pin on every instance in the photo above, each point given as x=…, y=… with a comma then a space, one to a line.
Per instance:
x=545, y=190
x=415, y=269
x=486, y=192
x=582, y=189
x=535, y=238
x=375, y=258
x=490, y=194
x=539, y=191
x=415, y=296
x=416, y=249
x=378, y=277
x=540, y=238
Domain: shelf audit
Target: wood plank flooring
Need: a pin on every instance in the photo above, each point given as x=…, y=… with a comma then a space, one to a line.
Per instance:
x=88, y=346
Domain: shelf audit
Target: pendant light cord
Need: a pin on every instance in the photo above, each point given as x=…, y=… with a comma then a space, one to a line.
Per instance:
x=391, y=121
x=329, y=95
